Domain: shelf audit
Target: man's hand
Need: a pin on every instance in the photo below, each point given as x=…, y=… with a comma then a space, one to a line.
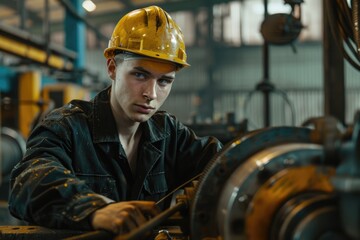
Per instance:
x=123, y=217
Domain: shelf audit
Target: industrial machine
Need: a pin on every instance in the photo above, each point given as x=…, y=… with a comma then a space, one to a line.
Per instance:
x=277, y=183
x=12, y=146
x=225, y=131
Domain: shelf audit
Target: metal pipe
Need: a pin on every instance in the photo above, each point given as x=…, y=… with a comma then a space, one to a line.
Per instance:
x=22, y=11
x=69, y=8
x=266, y=76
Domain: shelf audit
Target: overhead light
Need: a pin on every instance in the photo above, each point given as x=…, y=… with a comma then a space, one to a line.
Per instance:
x=89, y=5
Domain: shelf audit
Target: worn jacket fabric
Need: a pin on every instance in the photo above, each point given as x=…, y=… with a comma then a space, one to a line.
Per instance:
x=75, y=162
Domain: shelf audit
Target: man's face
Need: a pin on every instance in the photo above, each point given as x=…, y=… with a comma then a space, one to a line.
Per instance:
x=140, y=87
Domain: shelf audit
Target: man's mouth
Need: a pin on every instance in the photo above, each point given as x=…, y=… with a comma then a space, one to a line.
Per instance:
x=145, y=109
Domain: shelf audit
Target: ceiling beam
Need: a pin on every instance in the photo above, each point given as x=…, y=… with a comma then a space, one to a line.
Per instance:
x=22, y=44
x=114, y=16
x=185, y=5
x=127, y=3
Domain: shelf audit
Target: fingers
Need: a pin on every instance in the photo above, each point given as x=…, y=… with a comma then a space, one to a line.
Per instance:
x=147, y=207
x=126, y=221
x=123, y=217
x=135, y=219
x=118, y=226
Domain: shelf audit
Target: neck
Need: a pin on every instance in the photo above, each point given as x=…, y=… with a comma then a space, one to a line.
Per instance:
x=126, y=127
x=128, y=130
x=128, y=136
x=129, y=139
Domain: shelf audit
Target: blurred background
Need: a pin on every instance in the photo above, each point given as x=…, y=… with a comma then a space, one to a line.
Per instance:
x=232, y=66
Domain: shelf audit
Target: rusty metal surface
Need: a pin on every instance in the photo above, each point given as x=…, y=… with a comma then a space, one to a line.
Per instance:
x=34, y=233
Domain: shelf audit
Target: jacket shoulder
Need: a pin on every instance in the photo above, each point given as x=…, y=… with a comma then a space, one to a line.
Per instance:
x=163, y=118
x=70, y=109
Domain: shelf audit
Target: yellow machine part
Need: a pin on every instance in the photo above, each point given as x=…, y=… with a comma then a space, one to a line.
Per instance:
x=29, y=95
x=279, y=188
x=33, y=53
x=62, y=93
x=51, y=96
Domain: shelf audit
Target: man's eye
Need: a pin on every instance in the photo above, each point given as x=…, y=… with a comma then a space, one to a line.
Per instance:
x=139, y=75
x=164, y=82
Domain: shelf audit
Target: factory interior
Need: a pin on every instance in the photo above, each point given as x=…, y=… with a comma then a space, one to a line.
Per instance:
x=276, y=81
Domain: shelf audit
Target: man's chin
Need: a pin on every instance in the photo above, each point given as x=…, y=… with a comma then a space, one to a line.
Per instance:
x=142, y=118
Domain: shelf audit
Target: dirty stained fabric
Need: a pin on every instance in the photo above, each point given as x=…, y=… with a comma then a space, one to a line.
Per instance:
x=74, y=164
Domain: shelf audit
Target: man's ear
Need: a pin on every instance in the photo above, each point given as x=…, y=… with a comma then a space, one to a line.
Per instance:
x=111, y=68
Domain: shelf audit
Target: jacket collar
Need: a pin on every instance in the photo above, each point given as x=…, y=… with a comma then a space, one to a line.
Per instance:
x=153, y=130
x=104, y=126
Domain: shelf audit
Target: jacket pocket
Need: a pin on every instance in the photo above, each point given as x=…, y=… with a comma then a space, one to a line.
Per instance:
x=155, y=183
x=101, y=184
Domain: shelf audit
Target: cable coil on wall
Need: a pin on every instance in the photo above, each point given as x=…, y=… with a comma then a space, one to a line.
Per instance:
x=345, y=23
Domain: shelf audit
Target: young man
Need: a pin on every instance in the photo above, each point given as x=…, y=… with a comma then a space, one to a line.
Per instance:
x=103, y=164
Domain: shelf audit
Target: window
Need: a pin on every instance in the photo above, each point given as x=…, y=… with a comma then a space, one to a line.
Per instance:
x=238, y=23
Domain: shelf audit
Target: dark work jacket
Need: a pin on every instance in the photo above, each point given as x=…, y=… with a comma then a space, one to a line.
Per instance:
x=74, y=160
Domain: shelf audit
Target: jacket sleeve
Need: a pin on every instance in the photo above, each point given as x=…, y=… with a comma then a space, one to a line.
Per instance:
x=44, y=188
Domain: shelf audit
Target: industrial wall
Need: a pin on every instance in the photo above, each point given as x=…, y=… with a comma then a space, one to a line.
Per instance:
x=296, y=76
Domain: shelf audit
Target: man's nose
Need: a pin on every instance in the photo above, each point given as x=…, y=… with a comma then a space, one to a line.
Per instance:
x=150, y=90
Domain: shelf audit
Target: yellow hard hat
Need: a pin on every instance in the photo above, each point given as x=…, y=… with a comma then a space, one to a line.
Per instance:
x=150, y=32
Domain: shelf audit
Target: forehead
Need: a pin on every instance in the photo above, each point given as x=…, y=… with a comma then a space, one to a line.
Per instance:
x=150, y=65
